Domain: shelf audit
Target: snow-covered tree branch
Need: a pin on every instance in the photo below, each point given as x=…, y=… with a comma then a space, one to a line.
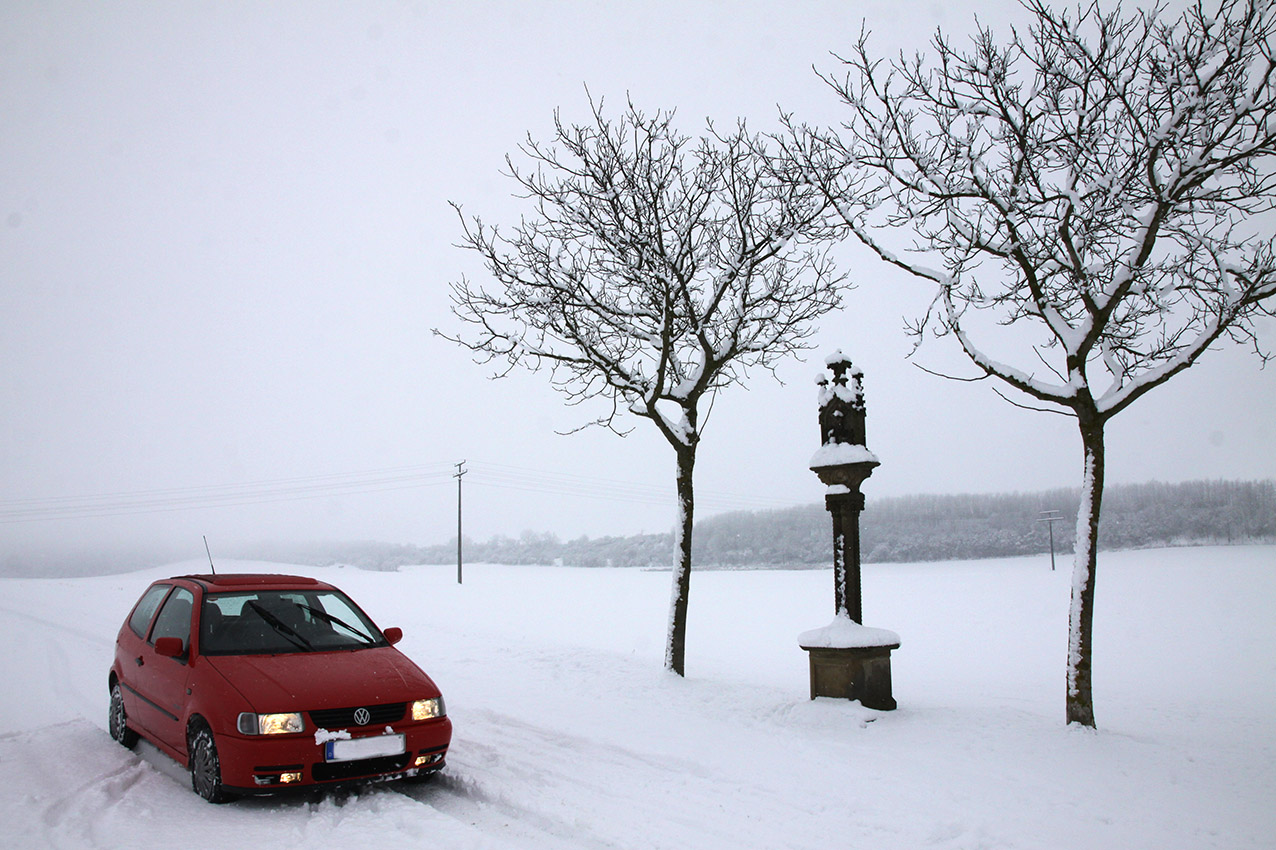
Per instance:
x=651, y=271
x=1103, y=182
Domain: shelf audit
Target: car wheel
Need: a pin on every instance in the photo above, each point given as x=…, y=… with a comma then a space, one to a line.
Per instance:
x=206, y=770
x=117, y=720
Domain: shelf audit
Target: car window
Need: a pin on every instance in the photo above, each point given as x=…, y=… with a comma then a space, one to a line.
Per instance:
x=174, y=618
x=141, y=617
x=341, y=608
x=283, y=621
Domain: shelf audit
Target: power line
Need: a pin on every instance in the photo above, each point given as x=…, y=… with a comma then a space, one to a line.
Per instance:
x=390, y=479
x=573, y=484
x=224, y=495
x=303, y=480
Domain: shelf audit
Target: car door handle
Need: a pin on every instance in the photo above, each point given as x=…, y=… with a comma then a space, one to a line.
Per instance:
x=139, y=661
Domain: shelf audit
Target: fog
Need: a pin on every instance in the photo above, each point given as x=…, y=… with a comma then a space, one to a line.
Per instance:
x=225, y=238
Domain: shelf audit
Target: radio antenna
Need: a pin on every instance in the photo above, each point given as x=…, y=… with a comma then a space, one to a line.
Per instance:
x=210, y=555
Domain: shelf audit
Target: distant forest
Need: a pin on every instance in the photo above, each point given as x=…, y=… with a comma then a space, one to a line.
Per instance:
x=909, y=528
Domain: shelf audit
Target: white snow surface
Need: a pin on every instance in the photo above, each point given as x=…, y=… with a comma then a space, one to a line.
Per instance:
x=569, y=733
x=845, y=633
x=833, y=454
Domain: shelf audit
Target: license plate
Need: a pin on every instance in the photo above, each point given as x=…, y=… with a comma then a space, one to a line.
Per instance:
x=364, y=748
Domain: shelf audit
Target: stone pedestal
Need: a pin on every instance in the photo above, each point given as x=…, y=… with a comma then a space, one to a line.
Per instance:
x=862, y=673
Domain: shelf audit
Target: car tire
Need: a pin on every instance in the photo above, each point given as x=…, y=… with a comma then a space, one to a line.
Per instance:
x=205, y=768
x=117, y=720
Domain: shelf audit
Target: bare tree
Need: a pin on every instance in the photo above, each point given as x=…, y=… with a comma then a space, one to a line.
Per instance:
x=651, y=272
x=1088, y=196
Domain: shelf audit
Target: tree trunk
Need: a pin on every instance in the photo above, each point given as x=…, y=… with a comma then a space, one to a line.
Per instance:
x=676, y=645
x=1080, y=702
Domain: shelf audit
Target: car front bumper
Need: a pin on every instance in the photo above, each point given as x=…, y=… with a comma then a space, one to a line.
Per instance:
x=268, y=764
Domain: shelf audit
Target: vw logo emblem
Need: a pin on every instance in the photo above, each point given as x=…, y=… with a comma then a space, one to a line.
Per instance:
x=362, y=716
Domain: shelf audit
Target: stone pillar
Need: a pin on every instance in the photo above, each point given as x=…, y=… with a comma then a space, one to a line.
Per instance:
x=847, y=660
x=843, y=462
x=845, y=509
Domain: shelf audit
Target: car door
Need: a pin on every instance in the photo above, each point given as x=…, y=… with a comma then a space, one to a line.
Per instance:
x=160, y=681
x=129, y=647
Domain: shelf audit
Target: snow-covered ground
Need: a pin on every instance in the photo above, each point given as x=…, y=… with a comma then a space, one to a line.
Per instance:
x=570, y=735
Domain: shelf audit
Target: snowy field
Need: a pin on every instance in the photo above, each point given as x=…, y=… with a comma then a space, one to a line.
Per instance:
x=570, y=735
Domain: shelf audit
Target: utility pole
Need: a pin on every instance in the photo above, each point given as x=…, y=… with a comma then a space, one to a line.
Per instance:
x=460, y=471
x=1051, y=517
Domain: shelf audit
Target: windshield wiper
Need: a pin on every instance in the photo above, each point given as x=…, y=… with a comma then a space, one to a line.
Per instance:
x=336, y=621
x=282, y=627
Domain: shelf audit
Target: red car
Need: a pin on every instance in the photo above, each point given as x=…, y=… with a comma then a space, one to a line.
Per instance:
x=259, y=683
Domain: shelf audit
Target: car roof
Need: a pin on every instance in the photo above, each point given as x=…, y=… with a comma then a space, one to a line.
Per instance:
x=255, y=581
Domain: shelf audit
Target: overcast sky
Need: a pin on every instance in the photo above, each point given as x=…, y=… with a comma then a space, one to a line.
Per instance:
x=225, y=237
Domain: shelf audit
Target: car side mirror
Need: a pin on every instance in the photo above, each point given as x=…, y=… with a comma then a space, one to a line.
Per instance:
x=393, y=635
x=170, y=647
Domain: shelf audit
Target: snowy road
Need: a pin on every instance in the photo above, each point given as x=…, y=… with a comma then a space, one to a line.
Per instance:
x=569, y=735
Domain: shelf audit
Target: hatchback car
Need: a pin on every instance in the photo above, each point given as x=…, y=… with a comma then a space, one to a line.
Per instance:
x=259, y=683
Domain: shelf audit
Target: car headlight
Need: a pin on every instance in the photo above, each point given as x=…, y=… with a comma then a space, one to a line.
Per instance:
x=428, y=709
x=270, y=724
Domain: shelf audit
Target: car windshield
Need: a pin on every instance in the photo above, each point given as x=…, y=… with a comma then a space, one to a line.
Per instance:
x=281, y=621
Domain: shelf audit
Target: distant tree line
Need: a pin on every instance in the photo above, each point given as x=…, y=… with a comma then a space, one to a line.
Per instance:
x=902, y=529
x=970, y=526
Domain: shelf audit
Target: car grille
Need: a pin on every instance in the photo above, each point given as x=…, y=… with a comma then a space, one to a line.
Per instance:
x=340, y=718
x=328, y=771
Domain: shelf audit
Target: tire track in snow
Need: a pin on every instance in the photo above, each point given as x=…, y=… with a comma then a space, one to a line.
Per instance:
x=69, y=689
x=65, y=780
x=95, y=638
x=72, y=663
x=68, y=786
x=78, y=813
x=545, y=787
x=469, y=800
